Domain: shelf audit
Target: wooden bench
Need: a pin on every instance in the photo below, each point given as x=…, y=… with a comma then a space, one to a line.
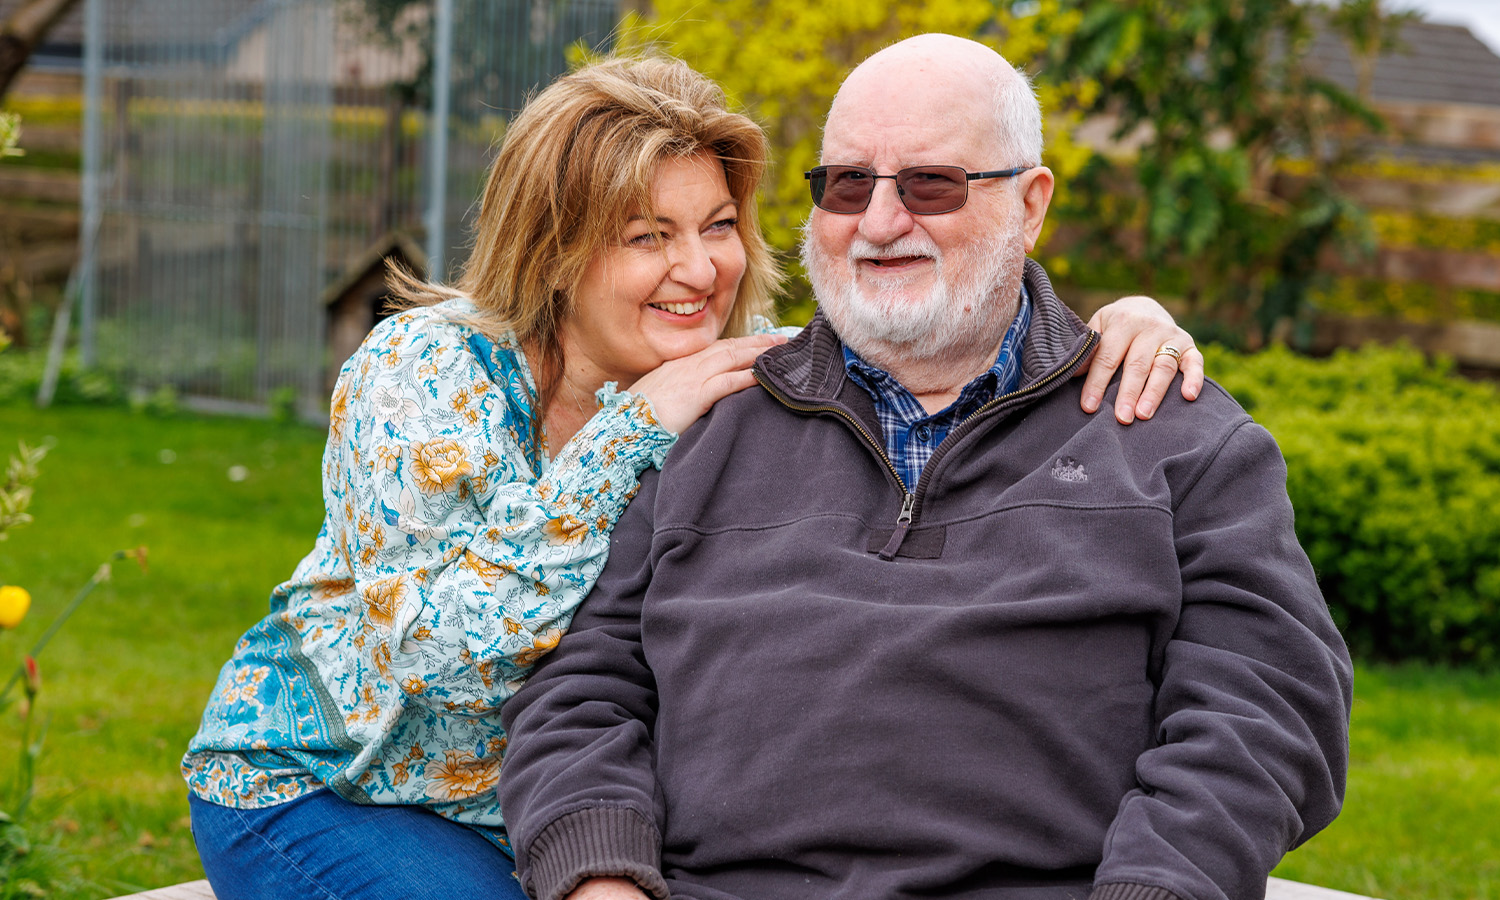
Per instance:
x=1278, y=889
x=188, y=890
x=1281, y=889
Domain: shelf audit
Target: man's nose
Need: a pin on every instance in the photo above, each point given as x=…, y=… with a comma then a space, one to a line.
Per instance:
x=886, y=218
x=691, y=263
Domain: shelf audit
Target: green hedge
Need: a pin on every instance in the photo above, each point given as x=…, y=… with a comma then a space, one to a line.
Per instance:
x=1394, y=470
x=21, y=375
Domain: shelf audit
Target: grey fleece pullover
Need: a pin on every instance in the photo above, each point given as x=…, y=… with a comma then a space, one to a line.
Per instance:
x=1094, y=664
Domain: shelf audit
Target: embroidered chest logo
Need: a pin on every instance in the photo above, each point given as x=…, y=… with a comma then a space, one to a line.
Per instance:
x=1066, y=468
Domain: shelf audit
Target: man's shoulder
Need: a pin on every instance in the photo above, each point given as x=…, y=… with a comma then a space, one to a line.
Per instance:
x=1185, y=429
x=1214, y=405
x=754, y=406
x=1179, y=429
x=751, y=431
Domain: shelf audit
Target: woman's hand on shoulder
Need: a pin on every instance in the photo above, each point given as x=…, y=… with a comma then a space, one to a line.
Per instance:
x=681, y=390
x=1133, y=332
x=608, y=889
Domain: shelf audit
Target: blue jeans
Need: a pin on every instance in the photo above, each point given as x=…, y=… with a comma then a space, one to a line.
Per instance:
x=324, y=847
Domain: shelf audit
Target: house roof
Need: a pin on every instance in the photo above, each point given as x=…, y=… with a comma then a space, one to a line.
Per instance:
x=151, y=22
x=372, y=260
x=1433, y=64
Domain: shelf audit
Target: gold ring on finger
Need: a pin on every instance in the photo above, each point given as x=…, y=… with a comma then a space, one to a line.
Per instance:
x=1169, y=350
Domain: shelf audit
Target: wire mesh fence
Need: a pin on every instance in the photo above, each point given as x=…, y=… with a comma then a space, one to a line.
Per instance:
x=250, y=153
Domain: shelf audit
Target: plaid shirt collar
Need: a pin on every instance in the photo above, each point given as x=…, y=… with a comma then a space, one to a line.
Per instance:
x=911, y=435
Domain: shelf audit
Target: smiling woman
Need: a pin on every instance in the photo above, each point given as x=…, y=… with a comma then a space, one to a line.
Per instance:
x=482, y=444
x=666, y=290
x=477, y=460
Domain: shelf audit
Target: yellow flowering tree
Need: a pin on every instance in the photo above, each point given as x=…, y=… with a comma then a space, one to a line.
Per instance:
x=10, y=138
x=783, y=60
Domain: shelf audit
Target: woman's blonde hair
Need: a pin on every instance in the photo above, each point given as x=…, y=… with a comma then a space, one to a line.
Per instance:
x=576, y=163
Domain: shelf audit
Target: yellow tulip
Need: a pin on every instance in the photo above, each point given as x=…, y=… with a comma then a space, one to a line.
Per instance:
x=14, y=601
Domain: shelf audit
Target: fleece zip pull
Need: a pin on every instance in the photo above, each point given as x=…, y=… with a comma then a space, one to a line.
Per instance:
x=903, y=526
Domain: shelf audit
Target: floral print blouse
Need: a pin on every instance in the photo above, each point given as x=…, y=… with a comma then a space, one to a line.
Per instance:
x=452, y=557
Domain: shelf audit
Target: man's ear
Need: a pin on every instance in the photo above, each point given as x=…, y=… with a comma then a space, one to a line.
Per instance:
x=1036, y=194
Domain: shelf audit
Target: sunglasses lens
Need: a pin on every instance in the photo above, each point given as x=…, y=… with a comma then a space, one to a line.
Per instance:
x=933, y=189
x=926, y=190
x=846, y=189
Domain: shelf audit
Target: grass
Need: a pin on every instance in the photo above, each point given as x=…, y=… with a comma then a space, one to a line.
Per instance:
x=1422, y=815
x=125, y=681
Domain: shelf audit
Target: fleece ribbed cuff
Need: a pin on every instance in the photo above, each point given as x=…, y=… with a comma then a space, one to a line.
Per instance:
x=599, y=842
x=1121, y=890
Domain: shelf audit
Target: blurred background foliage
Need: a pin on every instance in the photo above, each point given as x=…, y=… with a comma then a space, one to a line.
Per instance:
x=1393, y=467
x=1219, y=96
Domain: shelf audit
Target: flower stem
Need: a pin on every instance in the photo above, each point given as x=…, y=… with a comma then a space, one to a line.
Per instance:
x=57, y=623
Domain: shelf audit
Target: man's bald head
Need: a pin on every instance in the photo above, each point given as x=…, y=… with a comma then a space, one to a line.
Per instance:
x=941, y=71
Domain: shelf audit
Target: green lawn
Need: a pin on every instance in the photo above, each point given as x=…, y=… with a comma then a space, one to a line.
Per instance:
x=1421, y=818
x=124, y=683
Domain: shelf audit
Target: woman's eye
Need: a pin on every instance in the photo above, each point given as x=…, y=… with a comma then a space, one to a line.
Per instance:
x=646, y=239
x=726, y=224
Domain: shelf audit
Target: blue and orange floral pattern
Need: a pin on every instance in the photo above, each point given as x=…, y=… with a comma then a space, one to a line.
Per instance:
x=451, y=559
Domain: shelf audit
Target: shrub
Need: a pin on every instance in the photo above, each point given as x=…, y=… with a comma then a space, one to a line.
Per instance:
x=21, y=376
x=1394, y=470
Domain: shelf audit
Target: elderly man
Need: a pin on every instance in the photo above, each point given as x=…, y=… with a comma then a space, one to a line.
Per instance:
x=908, y=623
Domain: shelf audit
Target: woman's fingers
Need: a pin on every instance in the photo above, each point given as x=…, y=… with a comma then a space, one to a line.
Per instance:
x=1138, y=337
x=1101, y=364
x=681, y=390
x=728, y=354
x=1135, y=376
x=1161, y=367
x=1192, y=371
x=722, y=385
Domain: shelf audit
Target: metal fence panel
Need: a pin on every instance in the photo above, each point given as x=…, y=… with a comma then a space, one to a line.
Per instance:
x=250, y=152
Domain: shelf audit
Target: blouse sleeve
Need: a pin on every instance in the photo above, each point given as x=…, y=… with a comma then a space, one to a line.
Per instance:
x=466, y=565
x=763, y=325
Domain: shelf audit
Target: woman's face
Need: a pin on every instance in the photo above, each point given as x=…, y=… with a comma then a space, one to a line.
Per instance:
x=664, y=290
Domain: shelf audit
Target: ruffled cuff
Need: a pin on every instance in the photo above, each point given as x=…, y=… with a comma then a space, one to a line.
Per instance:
x=763, y=325
x=636, y=409
x=599, y=469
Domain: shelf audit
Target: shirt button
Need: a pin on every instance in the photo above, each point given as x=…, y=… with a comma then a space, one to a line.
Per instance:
x=924, y=434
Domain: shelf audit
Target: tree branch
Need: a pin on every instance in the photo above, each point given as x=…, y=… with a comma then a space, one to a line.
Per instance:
x=21, y=34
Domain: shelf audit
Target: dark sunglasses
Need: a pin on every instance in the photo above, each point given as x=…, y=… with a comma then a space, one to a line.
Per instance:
x=925, y=190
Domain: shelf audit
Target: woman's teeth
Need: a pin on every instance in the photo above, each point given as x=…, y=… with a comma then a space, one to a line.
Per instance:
x=682, y=309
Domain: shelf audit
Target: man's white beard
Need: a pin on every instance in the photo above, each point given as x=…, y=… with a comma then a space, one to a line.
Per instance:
x=960, y=321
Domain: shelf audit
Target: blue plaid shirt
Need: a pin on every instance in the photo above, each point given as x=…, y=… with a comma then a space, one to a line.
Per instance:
x=910, y=433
